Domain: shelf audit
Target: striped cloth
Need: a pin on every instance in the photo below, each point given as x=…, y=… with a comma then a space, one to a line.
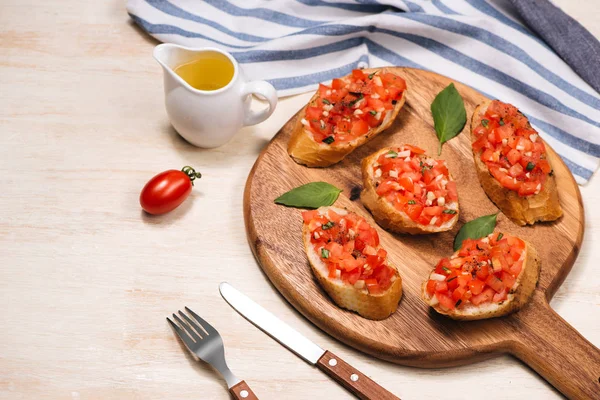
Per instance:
x=294, y=44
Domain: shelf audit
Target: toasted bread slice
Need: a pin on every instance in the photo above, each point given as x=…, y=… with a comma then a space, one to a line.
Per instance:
x=305, y=150
x=384, y=212
x=515, y=298
x=352, y=297
x=544, y=206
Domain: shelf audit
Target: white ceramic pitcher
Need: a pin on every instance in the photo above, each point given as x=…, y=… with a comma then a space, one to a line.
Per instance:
x=209, y=118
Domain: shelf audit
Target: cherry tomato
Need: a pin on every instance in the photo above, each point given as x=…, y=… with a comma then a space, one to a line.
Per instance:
x=167, y=190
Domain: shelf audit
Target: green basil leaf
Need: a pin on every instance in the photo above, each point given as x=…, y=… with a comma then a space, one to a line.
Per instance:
x=449, y=114
x=328, y=225
x=475, y=229
x=311, y=195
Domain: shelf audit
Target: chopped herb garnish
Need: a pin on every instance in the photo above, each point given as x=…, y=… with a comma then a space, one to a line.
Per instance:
x=394, y=101
x=501, y=122
x=449, y=212
x=372, y=75
x=451, y=279
x=392, y=154
x=500, y=236
x=458, y=302
x=485, y=123
x=412, y=202
x=325, y=101
x=424, y=167
x=446, y=269
x=530, y=166
x=328, y=225
x=373, y=112
x=328, y=140
x=324, y=253
x=360, y=97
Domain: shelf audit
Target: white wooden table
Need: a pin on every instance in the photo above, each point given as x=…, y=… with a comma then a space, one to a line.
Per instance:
x=87, y=279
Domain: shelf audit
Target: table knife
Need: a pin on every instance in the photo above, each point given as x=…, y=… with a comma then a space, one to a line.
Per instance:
x=343, y=373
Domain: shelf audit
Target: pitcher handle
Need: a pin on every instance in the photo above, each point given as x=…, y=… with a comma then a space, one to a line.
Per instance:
x=264, y=90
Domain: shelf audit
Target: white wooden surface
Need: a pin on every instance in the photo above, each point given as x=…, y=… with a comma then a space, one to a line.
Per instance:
x=87, y=279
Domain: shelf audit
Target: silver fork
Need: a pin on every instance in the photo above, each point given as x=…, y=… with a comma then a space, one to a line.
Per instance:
x=205, y=342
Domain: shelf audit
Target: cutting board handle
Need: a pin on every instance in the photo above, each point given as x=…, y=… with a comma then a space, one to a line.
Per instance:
x=553, y=348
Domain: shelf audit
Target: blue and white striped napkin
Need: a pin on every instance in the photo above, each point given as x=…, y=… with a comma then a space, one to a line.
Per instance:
x=294, y=44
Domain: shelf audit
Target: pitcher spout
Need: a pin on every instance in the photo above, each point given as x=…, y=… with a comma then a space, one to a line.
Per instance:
x=167, y=55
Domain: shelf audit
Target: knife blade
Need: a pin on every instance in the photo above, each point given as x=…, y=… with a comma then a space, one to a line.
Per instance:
x=271, y=325
x=344, y=374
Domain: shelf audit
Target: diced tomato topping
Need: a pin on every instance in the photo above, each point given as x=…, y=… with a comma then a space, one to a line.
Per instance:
x=349, y=246
x=484, y=297
x=481, y=271
x=359, y=128
x=528, y=188
x=351, y=106
x=337, y=84
x=431, y=287
x=416, y=184
x=445, y=301
x=476, y=286
x=511, y=149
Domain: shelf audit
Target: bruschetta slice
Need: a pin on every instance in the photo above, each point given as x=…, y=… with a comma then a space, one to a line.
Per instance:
x=485, y=278
x=408, y=191
x=345, y=256
x=348, y=113
x=512, y=164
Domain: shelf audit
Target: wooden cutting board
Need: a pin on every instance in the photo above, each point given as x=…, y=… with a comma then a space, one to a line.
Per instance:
x=415, y=335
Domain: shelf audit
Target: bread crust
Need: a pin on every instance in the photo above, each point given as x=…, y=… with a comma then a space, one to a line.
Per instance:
x=375, y=307
x=304, y=150
x=385, y=214
x=518, y=296
x=544, y=206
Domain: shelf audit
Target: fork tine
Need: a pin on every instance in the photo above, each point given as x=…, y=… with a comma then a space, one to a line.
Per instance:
x=187, y=328
x=207, y=327
x=181, y=333
x=193, y=325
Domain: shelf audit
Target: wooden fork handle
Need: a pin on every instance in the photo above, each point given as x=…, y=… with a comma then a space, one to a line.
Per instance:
x=242, y=391
x=352, y=379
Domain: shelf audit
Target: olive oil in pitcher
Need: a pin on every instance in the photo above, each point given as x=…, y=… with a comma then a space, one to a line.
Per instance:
x=211, y=72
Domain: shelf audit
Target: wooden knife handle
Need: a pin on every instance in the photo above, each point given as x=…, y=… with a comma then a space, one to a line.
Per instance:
x=352, y=379
x=552, y=347
x=242, y=391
